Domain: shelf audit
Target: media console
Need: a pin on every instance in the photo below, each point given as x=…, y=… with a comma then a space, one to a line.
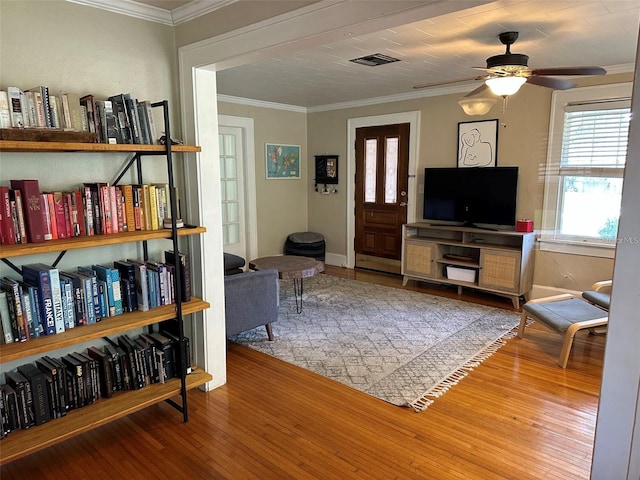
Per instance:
x=500, y=262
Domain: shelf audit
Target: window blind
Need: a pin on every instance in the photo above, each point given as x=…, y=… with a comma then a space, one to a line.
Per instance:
x=595, y=137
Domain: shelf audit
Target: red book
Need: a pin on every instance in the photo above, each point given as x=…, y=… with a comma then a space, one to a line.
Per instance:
x=60, y=215
x=22, y=227
x=46, y=217
x=32, y=207
x=76, y=199
x=8, y=228
x=52, y=216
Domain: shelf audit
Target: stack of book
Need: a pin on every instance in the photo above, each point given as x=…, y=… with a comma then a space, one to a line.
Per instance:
x=48, y=301
x=29, y=215
x=117, y=119
x=49, y=388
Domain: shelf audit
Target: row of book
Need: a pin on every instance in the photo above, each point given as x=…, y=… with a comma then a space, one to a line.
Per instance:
x=28, y=215
x=48, y=301
x=36, y=393
x=116, y=119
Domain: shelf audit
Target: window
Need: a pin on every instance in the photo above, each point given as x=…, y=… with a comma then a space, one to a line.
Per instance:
x=585, y=165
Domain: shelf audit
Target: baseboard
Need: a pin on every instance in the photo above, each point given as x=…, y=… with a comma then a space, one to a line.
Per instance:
x=541, y=291
x=335, y=260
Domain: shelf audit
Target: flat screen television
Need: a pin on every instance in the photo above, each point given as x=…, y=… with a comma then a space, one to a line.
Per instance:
x=471, y=196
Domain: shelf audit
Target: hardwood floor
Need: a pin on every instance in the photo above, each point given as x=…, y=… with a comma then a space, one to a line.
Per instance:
x=516, y=416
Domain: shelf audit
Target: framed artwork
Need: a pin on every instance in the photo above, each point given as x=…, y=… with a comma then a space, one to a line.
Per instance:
x=478, y=143
x=282, y=161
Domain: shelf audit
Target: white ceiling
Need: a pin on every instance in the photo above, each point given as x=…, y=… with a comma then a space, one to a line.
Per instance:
x=553, y=33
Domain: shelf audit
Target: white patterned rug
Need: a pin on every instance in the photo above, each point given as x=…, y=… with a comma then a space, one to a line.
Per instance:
x=404, y=347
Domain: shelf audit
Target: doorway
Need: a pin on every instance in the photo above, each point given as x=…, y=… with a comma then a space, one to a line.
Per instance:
x=382, y=163
x=237, y=184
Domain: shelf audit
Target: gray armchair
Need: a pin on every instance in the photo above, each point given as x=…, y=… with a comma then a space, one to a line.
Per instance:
x=251, y=299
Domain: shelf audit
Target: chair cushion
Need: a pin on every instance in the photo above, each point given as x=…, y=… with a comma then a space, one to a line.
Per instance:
x=561, y=314
x=601, y=299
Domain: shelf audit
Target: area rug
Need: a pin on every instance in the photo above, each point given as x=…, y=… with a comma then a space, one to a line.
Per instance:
x=401, y=346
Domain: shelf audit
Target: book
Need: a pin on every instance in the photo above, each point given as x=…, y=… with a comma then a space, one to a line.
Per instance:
x=108, y=122
x=16, y=314
x=153, y=134
x=30, y=194
x=38, y=276
x=89, y=102
x=142, y=284
x=68, y=301
x=24, y=398
x=8, y=228
x=43, y=91
x=89, y=296
x=5, y=318
x=75, y=378
x=111, y=277
x=46, y=217
x=10, y=420
x=15, y=106
x=73, y=112
x=89, y=377
x=29, y=306
x=39, y=393
x=128, y=284
x=115, y=362
x=21, y=234
x=184, y=265
x=78, y=297
x=104, y=369
x=59, y=387
x=153, y=209
x=5, y=112
x=165, y=348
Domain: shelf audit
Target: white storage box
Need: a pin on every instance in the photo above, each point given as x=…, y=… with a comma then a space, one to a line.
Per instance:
x=461, y=273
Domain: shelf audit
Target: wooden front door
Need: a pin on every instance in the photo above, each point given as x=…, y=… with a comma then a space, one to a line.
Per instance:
x=382, y=163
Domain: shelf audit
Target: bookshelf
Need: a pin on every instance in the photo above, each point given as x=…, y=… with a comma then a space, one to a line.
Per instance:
x=24, y=442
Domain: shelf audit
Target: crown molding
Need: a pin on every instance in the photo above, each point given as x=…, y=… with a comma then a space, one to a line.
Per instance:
x=188, y=12
x=261, y=103
x=197, y=8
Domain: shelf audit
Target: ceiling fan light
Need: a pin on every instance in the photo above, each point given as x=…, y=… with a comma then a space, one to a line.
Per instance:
x=476, y=106
x=503, y=86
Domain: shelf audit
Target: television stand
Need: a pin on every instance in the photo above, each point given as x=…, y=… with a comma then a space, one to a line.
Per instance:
x=495, y=261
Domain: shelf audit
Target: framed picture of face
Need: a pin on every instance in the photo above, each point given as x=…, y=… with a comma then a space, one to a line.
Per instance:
x=478, y=143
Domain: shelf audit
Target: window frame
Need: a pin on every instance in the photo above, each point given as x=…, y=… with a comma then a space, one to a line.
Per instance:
x=550, y=238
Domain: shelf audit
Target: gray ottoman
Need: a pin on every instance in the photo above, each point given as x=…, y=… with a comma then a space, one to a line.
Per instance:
x=564, y=314
x=305, y=244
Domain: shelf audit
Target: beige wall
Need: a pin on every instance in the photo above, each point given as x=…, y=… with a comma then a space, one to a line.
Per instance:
x=281, y=203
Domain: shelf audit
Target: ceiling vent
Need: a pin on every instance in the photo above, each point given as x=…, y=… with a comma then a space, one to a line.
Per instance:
x=374, y=60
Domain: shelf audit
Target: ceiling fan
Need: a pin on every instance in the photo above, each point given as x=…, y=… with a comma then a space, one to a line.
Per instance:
x=506, y=73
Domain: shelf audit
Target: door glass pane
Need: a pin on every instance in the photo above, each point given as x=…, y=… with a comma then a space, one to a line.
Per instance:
x=370, y=166
x=391, y=171
x=231, y=191
x=591, y=206
x=230, y=145
x=232, y=212
x=230, y=168
x=233, y=233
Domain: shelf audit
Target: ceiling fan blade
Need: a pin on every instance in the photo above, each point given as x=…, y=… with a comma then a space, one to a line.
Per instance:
x=570, y=71
x=448, y=82
x=478, y=90
x=550, y=82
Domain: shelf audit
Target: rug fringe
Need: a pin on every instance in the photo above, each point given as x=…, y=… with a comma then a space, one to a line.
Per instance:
x=426, y=400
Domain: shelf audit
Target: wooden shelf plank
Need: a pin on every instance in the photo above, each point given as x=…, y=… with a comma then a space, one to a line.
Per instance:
x=26, y=146
x=25, y=442
x=107, y=326
x=8, y=251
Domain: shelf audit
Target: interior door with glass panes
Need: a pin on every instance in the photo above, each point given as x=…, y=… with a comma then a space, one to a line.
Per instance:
x=232, y=187
x=382, y=163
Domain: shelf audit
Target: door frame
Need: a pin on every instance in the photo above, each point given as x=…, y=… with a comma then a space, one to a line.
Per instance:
x=249, y=173
x=413, y=119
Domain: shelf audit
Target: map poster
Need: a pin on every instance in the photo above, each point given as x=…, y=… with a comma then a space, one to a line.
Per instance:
x=283, y=161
